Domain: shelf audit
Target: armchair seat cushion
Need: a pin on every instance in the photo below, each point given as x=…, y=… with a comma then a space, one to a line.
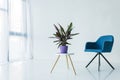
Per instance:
x=93, y=50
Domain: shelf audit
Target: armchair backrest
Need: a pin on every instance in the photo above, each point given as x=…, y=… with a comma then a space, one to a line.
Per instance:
x=105, y=43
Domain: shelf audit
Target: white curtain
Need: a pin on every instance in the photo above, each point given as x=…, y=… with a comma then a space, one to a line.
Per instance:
x=3, y=32
x=15, y=30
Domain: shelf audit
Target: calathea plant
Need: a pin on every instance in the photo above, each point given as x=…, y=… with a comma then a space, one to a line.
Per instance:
x=62, y=36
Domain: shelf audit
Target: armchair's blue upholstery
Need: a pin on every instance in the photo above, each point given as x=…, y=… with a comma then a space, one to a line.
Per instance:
x=103, y=44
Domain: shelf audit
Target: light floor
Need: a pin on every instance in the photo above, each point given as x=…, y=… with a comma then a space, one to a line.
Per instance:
x=40, y=70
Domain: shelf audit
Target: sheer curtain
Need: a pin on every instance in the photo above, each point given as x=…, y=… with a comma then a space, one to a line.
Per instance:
x=3, y=31
x=15, y=30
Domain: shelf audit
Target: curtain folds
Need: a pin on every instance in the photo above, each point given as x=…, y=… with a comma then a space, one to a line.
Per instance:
x=15, y=30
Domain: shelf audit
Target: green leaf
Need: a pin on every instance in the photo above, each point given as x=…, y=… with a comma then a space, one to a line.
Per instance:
x=62, y=30
x=74, y=34
x=56, y=41
x=59, y=45
x=57, y=28
x=69, y=29
x=51, y=37
x=69, y=38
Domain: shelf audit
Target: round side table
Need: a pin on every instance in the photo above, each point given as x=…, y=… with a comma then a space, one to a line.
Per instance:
x=68, y=57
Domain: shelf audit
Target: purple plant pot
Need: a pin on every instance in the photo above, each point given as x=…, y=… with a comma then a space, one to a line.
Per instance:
x=63, y=49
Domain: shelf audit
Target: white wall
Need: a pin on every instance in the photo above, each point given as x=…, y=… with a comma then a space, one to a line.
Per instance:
x=91, y=18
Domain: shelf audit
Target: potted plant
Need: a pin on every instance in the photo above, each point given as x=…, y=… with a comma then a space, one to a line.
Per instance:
x=62, y=36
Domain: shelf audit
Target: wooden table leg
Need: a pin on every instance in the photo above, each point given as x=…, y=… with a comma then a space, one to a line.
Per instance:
x=72, y=64
x=67, y=62
x=55, y=63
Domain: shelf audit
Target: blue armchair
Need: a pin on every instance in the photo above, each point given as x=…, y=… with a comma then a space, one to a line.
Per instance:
x=102, y=45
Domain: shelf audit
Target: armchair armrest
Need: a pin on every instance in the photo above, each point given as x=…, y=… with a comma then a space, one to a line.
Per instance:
x=107, y=46
x=91, y=45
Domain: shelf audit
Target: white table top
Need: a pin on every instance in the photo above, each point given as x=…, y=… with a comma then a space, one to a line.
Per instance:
x=64, y=53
